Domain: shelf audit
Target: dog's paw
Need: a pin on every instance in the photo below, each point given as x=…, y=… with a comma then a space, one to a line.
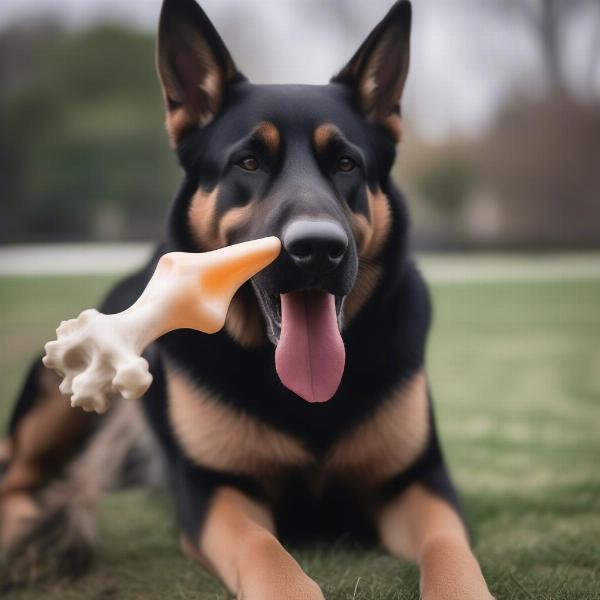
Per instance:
x=97, y=361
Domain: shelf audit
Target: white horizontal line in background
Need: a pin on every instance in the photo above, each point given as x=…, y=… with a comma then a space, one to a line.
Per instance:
x=490, y=268
x=73, y=259
x=99, y=259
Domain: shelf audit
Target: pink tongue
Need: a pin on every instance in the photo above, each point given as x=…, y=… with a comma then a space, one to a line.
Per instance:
x=310, y=355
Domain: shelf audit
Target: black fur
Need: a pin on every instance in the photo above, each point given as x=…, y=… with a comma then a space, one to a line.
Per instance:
x=385, y=342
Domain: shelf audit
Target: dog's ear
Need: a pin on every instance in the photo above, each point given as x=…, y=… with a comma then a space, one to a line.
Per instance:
x=194, y=66
x=377, y=71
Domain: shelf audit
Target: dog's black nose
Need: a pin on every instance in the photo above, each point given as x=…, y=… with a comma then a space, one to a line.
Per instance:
x=316, y=246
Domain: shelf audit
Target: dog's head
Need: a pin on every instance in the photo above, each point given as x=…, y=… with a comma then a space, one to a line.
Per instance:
x=303, y=163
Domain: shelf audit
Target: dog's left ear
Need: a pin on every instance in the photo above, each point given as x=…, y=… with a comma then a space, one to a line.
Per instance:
x=378, y=70
x=194, y=66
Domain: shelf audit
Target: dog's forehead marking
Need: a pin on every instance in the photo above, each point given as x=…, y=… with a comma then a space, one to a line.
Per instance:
x=323, y=135
x=269, y=135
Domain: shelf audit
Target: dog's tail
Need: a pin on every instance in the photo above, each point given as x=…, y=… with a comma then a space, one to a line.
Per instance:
x=60, y=541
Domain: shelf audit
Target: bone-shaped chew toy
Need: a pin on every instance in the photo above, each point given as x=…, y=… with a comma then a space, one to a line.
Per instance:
x=99, y=356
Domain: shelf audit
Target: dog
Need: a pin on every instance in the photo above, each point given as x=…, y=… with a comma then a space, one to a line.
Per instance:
x=261, y=441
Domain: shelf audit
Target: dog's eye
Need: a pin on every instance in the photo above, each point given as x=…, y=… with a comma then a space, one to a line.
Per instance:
x=249, y=163
x=345, y=164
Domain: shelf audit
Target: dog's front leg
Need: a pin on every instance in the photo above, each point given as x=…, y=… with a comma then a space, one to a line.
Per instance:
x=424, y=528
x=238, y=543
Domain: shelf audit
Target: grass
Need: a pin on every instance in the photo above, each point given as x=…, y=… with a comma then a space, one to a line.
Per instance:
x=515, y=374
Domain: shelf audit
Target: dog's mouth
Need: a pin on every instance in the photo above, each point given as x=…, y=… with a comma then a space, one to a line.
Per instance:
x=305, y=327
x=270, y=305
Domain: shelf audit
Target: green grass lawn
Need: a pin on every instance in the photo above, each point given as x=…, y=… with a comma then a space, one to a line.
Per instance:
x=515, y=370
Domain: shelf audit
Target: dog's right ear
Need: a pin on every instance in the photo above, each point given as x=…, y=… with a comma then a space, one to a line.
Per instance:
x=194, y=67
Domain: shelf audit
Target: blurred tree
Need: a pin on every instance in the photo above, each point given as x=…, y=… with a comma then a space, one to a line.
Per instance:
x=83, y=154
x=542, y=159
x=82, y=150
x=550, y=22
x=440, y=180
x=445, y=184
x=531, y=179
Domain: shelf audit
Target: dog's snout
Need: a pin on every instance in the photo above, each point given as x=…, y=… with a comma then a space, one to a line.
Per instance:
x=317, y=247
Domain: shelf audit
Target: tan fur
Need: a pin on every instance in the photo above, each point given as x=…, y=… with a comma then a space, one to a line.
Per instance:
x=47, y=433
x=205, y=428
x=244, y=322
x=370, y=237
x=232, y=220
x=177, y=122
x=322, y=136
x=238, y=542
x=201, y=217
x=210, y=233
x=363, y=231
x=387, y=442
x=366, y=282
x=22, y=474
x=45, y=436
x=6, y=450
x=381, y=215
x=393, y=124
x=52, y=425
x=422, y=527
x=17, y=510
x=374, y=231
x=269, y=134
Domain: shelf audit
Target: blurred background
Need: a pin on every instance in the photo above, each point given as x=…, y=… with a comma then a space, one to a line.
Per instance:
x=502, y=113
x=501, y=166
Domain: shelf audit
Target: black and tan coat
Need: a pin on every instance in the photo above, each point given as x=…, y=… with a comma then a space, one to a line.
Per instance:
x=250, y=461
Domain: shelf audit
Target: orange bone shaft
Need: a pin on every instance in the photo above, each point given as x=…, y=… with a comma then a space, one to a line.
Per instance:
x=98, y=355
x=193, y=291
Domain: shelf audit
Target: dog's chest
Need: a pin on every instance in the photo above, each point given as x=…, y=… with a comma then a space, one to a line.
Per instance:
x=218, y=436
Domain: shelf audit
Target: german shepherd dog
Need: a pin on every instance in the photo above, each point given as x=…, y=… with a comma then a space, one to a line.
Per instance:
x=251, y=461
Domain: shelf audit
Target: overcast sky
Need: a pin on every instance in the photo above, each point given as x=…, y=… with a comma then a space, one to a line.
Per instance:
x=461, y=69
